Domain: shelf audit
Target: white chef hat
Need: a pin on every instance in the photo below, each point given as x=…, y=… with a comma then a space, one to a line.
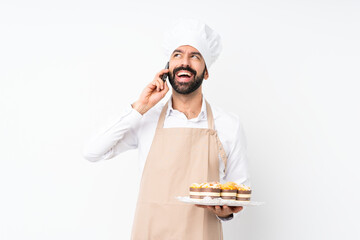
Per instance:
x=196, y=34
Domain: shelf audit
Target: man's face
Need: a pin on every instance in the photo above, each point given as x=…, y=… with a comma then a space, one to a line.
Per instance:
x=187, y=70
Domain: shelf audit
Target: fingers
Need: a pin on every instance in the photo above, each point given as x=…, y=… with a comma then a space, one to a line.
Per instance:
x=222, y=210
x=219, y=210
x=232, y=209
x=213, y=208
x=162, y=72
x=201, y=206
x=158, y=82
x=236, y=209
x=156, y=85
x=154, y=91
x=226, y=208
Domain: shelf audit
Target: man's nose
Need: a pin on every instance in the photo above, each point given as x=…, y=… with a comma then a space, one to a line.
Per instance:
x=185, y=62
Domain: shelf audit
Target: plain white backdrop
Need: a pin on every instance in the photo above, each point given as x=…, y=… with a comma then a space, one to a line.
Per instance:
x=290, y=69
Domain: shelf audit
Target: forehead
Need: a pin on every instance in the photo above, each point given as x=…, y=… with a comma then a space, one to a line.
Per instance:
x=186, y=48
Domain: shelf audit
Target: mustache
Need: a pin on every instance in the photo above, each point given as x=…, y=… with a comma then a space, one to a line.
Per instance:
x=184, y=68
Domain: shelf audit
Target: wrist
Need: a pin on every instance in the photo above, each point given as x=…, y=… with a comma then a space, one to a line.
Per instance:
x=140, y=107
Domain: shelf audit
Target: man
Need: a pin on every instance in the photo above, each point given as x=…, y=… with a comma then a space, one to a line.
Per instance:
x=181, y=142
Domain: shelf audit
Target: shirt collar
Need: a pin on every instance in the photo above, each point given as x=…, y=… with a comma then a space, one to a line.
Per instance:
x=202, y=115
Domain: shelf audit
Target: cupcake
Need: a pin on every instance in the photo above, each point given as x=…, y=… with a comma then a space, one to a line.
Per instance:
x=202, y=190
x=243, y=193
x=229, y=191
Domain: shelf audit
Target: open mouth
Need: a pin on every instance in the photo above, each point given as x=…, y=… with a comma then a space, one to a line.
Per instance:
x=184, y=76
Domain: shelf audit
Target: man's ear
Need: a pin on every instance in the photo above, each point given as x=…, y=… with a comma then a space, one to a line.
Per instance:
x=206, y=75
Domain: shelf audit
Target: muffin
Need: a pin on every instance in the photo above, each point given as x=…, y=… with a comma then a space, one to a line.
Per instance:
x=229, y=191
x=202, y=190
x=243, y=193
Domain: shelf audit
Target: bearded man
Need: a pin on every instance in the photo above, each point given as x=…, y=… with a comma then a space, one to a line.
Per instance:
x=180, y=142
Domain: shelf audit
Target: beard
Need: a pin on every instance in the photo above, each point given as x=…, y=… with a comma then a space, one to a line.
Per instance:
x=186, y=87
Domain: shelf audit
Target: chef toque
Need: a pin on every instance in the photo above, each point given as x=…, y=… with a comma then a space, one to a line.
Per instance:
x=196, y=34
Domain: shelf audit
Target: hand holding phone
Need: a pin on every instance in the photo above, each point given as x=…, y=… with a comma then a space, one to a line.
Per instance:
x=153, y=92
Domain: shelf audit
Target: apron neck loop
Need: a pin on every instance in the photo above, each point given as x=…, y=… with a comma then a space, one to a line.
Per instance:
x=162, y=116
x=209, y=116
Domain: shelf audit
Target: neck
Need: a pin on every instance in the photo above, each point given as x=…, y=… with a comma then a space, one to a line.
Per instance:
x=189, y=104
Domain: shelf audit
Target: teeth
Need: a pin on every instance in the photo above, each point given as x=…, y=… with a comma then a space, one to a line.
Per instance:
x=183, y=73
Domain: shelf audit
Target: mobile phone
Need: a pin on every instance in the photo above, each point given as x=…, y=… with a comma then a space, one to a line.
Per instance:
x=165, y=75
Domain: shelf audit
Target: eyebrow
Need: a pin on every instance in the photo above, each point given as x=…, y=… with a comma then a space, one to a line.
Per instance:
x=180, y=51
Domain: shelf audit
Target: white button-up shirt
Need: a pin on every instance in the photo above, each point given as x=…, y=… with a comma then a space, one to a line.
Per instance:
x=132, y=130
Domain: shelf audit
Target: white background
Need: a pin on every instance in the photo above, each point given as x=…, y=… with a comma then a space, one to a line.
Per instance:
x=290, y=69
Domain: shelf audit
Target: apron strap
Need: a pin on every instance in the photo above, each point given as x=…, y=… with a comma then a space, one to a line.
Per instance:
x=221, y=150
x=162, y=116
x=210, y=117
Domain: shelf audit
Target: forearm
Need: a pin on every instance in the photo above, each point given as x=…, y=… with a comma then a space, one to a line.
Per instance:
x=141, y=107
x=117, y=134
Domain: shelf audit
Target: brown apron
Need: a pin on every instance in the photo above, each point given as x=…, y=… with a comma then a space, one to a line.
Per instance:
x=177, y=158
